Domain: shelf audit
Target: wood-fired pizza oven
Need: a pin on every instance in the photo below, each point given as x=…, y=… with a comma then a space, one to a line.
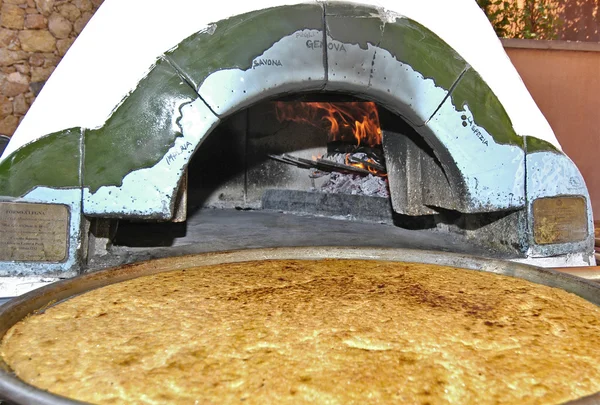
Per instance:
x=253, y=125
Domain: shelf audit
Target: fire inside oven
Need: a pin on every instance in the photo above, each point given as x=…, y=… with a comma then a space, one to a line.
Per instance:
x=309, y=144
x=354, y=147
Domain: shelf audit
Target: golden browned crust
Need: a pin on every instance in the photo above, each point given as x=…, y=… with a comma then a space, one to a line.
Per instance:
x=330, y=331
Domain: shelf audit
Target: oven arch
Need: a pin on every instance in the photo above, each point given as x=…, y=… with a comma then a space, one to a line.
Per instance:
x=335, y=46
x=408, y=69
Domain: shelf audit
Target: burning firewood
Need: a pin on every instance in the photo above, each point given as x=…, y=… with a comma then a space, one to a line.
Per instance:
x=330, y=166
x=291, y=160
x=368, y=163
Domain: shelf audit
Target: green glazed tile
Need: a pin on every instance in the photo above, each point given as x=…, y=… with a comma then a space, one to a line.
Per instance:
x=473, y=92
x=140, y=131
x=425, y=52
x=538, y=145
x=227, y=47
x=354, y=24
x=51, y=161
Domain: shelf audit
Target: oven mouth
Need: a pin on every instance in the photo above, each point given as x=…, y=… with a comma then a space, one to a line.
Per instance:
x=327, y=133
x=240, y=173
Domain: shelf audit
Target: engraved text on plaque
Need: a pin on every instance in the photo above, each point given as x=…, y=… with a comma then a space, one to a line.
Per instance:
x=33, y=232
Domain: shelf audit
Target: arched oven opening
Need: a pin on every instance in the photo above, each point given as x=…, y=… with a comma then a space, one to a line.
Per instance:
x=289, y=153
x=322, y=161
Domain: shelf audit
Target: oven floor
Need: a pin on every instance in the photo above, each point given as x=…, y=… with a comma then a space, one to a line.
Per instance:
x=212, y=230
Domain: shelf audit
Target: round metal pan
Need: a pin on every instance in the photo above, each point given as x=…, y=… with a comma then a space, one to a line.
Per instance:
x=18, y=392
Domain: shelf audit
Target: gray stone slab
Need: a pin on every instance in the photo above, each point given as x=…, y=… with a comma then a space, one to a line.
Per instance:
x=219, y=230
x=357, y=207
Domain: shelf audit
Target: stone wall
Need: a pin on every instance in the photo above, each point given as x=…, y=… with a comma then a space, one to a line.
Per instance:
x=34, y=36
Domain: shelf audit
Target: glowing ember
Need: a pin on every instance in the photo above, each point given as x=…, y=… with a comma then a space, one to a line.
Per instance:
x=352, y=122
x=358, y=185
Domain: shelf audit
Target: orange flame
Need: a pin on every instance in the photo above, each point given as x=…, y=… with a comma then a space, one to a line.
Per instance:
x=363, y=166
x=347, y=121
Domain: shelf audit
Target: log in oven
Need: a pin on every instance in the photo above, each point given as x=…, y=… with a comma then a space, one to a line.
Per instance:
x=232, y=105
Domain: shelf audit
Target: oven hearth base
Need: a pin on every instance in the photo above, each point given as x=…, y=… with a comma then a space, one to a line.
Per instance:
x=210, y=230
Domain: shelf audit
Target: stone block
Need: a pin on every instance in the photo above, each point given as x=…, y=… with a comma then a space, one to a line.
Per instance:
x=6, y=107
x=230, y=74
x=14, y=85
x=83, y=5
x=35, y=21
x=8, y=125
x=9, y=58
x=69, y=11
x=52, y=161
x=50, y=59
x=132, y=139
x=356, y=207
x=37, y=41
x=36, y=60
x=59, y=26
x=7, y=37
x=353, y=31
x=82, y=21
x=18, y=77
x=40, y=74
x=20, y=105
x=22, y=68
x=63, y=45
x=12, y=16
x=44, y=6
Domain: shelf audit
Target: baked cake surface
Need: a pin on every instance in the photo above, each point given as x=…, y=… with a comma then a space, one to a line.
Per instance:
x=326, y=331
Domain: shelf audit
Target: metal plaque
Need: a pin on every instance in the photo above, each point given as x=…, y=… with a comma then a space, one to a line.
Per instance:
x=33, y=232
x=559, y=220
